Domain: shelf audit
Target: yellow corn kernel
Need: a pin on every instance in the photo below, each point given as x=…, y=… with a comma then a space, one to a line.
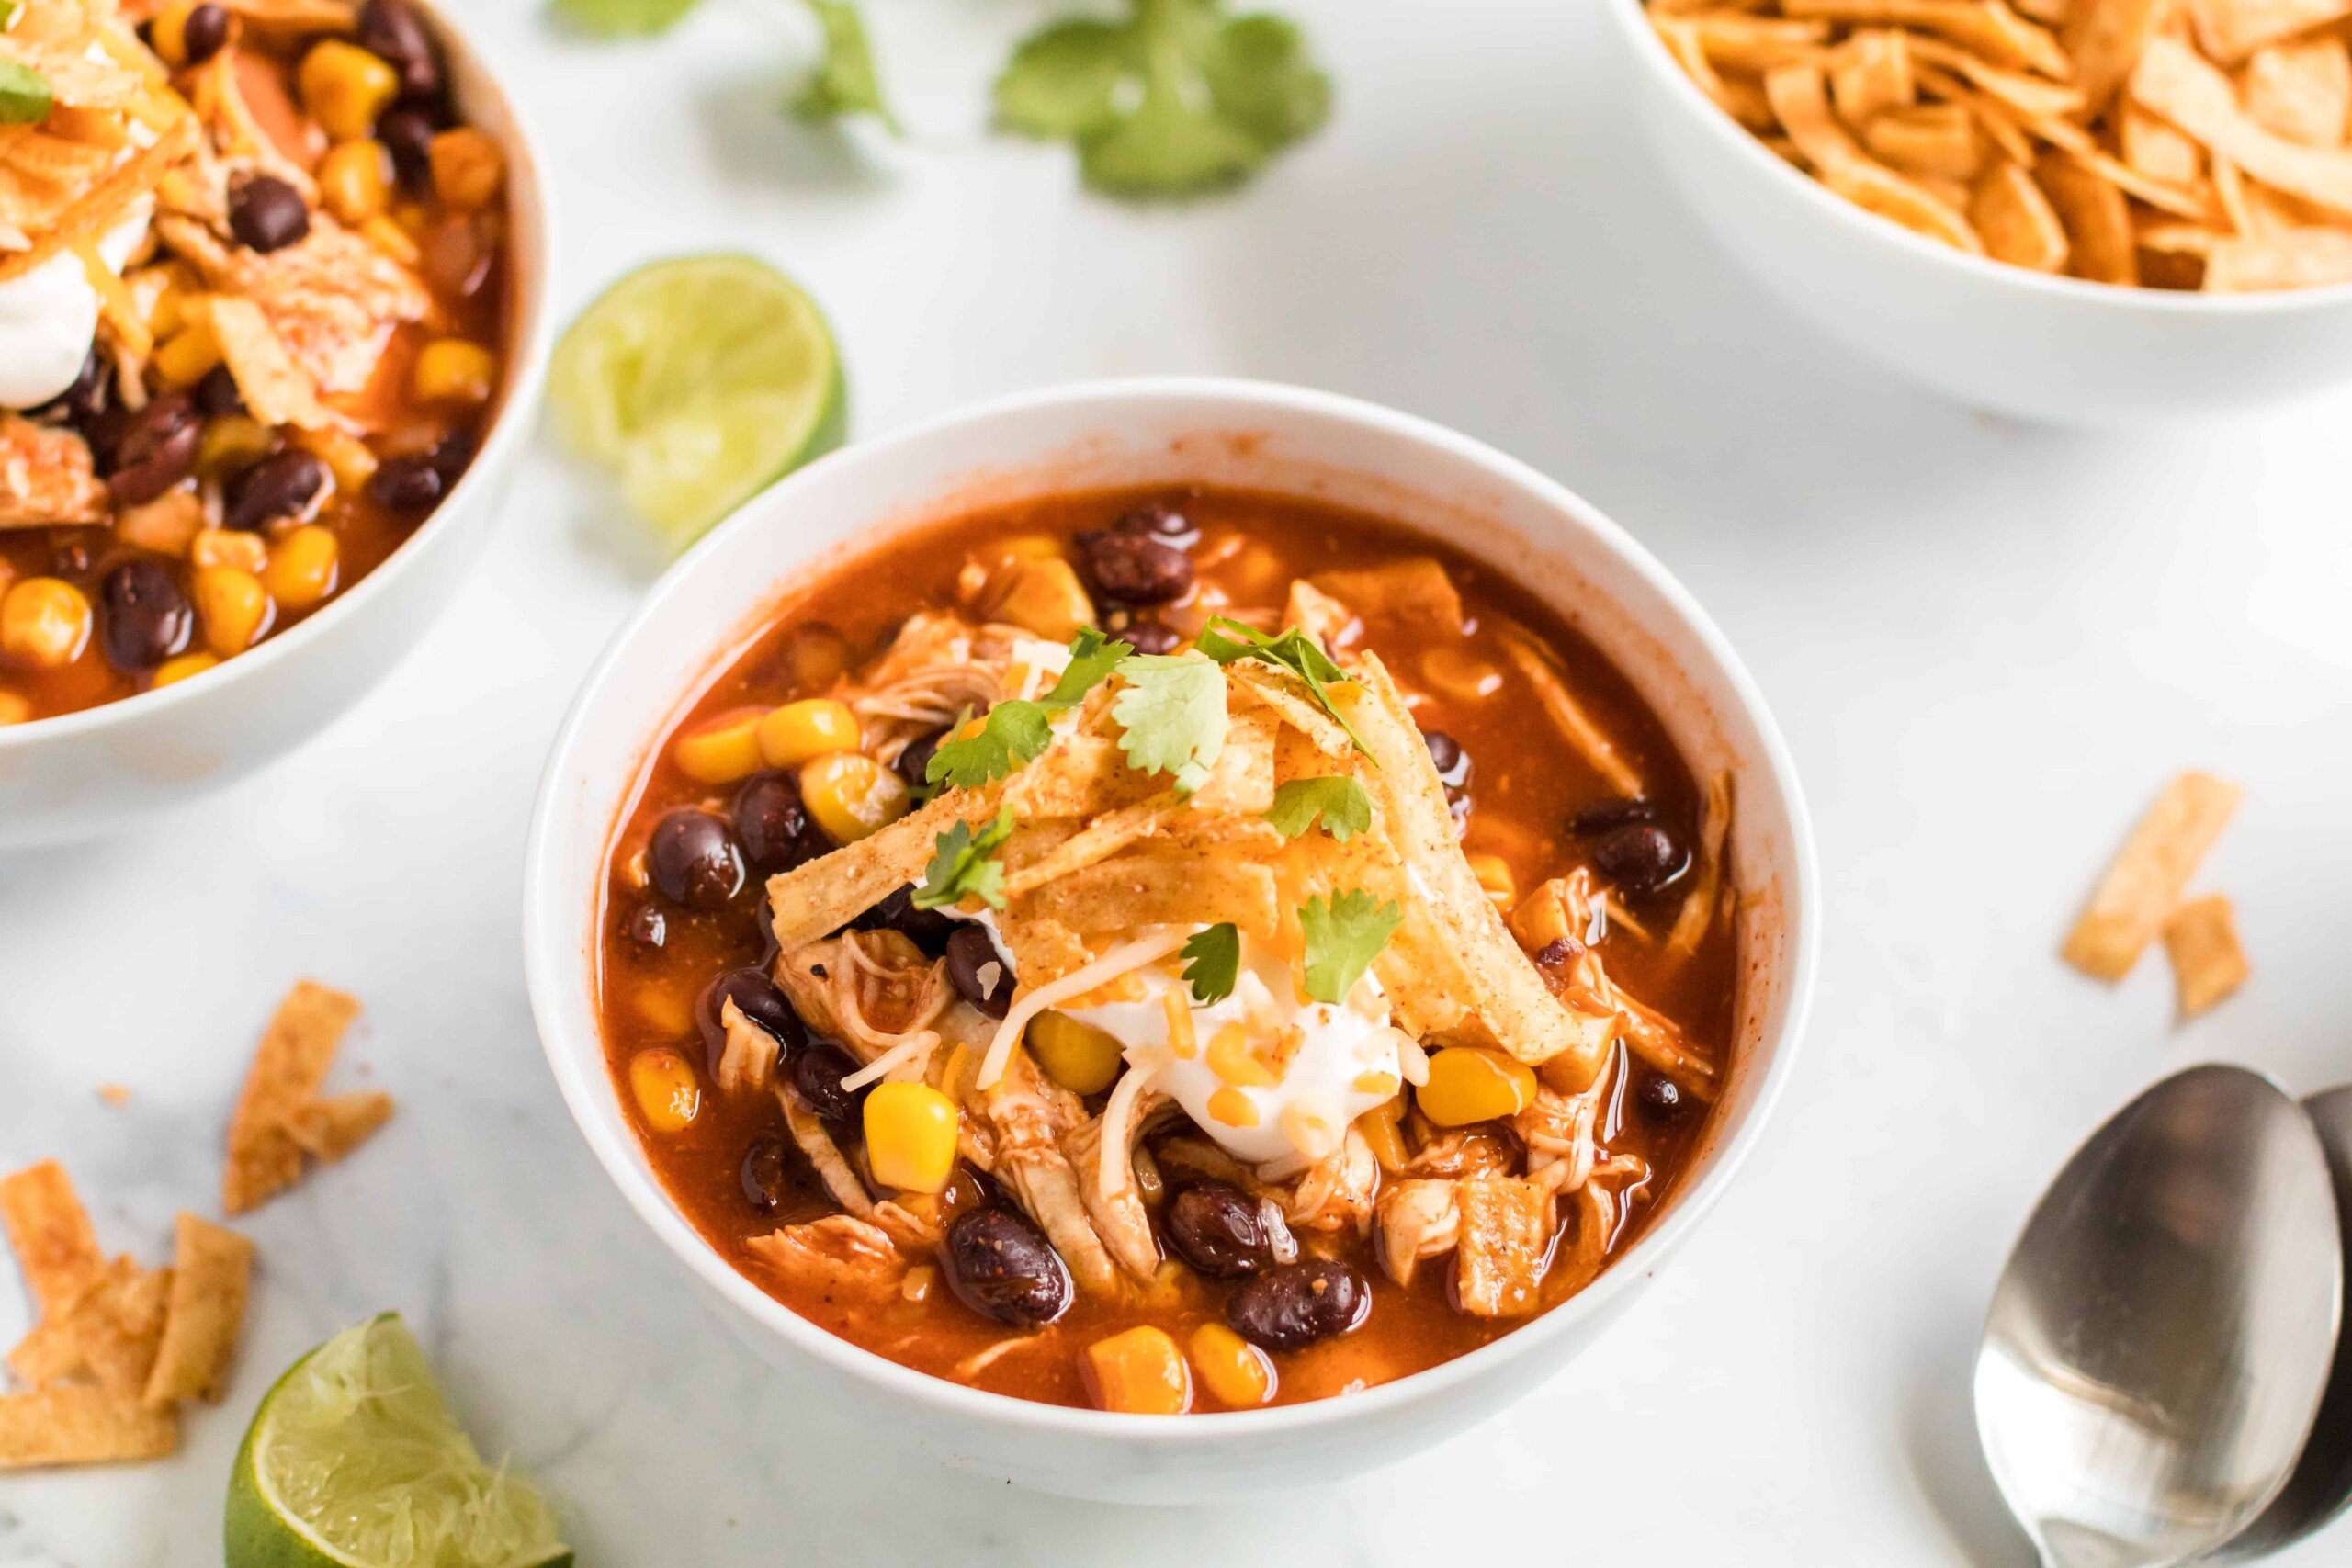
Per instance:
x=231, y=606
x=1467, y=1084
x=302, y=565
x=451, y=371
x=1041, y=596
x=190, y=356
x=1138, y=1371
x=803, y=731
x=392, y=239
x=1383, y=1084
x=172, y=671
x=346, y=456
x=1382, y=1129
x=230, y=445
x=411, y=218
x=1232, y=1060
x=1238, y=1372
x=667, y=1096
x=720, y=749
x=850, y=795
x=228, y=546
x=1021, y=546
x=1077, y=1056
x=1233, y=1108
x=911, y=1136
x=920, y=1281
x=466, y=168
x=44, y=623
x=356, y=181
x=1494, y=875
x=344, y=87
x=14, y=708
x=167, y=35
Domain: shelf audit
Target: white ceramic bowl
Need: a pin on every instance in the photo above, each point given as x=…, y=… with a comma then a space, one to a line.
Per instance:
x=1999, y=336
x=1275, y=438
x=86, y=774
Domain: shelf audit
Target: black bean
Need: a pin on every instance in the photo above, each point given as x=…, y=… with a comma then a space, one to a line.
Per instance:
x=756, y=997
x=217, y=394
x=772, y=823
x=1595, y=820
x=761, y=1173
x=452, y=456
x=1661, y=1098
x=203, y=32
x=1002, y=1266
x=267, y=214
x=1561, y=952
x=282, y=485
x=1152, y=636
x=1218, y=1230
x=1134, y=569
x=927, y=928
x=913, y=761
x=817, y=1072
x=406, y=132
x=969, y=953
x=391, y=32
x=154, y=427
x=406, y=483
x=695, y=861
x=648, y=927
x=1452, y=762
x=1291, y=1307
x=157, y=450
x=1162, y=521
x=146, y=618
x=1640, y=858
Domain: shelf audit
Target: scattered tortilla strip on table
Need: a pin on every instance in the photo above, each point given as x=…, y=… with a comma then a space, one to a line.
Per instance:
x=211, y=1276
x=50, y=1232
x=2144, y=883
x=2202, y=940
x=281, y=1104
x=82, y=1424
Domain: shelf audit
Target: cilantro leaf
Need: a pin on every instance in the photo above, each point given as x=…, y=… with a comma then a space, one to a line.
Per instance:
x=617, y=18
x=1212, y=963
x=1340, y=802
x=1093, y=657
x=1062, y=83
x=1173, y=716
x=1260, y=75
x=1013, y=733
x=964, y=864
x=25, y=94
x=844, y=82
x=1226, y=641
x=1343, y=939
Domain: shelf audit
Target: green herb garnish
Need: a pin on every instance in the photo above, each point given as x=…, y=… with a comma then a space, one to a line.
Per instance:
x=1343, y=939
x=1227, y=641
x=1212, y=963
x=1173, y=716
x=1176, y=99
x=1093, y=657
x=25, y=94
x=621, y=18
x=1013, y=733
x=844, y=82
x=964, y=866
x=1340, y=802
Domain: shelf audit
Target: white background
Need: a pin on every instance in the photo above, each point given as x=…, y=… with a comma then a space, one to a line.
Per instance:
x=1988, y=645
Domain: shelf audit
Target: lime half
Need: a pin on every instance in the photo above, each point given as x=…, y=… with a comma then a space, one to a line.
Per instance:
x=699, y=382
x=355, y=1462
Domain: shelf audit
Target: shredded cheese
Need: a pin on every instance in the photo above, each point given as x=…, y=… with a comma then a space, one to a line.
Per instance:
x=1116, y=1111
x=1077, y=983
x=915, y=1047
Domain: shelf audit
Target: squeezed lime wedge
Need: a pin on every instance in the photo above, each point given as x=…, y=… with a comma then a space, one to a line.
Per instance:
x=699, y=382
x=355, y=1462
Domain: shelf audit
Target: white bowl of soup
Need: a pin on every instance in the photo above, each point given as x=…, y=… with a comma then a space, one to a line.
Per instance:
x=337, y=355
x=1169, y=938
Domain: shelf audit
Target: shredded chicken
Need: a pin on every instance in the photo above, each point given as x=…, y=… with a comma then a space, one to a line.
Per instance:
x=1336, y=1193
x=808, y=1130
x=842, y=1259
x=875, y=991
x=46, y=477
x=1463, y=1151
x=1419, y=1219
x=1103, y=1150
x=333, y=297
x=747, y=1065
x=1030, y=1114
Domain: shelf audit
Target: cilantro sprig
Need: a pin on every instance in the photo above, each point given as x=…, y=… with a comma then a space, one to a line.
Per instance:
x=622, y=18
x=964, y=864
x=1343, y=936
x=1093, y=657
x=1226, y=641
x=25, y=94
x=1019, y=730
x=1339, y=802
x=1171, y=716
x=1213, y=962
x=844, y=80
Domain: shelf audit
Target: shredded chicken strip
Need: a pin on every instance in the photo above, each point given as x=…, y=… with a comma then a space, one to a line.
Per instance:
x=1103, y=1151
x=1419, y=1219
x=808, y=1130
x=1030, y=1114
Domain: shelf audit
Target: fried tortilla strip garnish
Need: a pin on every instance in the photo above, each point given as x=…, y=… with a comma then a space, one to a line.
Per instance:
x=276, y=388
x=814, y=899
x=1113, y=896
x=289, y=1069
x=2143, y=884
x=1871, y=73
x=2016, y=221
x=1506, y=1237
x=211, y=1274
x=2154, y=148
x=2292, y=258
x=46, y=477
x=333, y=299
x=2106, y=39
x=2173, y=82
x=1800, y=96
x=110, y=1332
x=2097, y=216
x=50, y=1232
x=2302, y=91
x=82, y=1424
x=2202, y=940
x=1932, y=142
x=2232, y=29
x=1987, y=27
x=1736, y=42
x=2026, y=93
x=101, y=208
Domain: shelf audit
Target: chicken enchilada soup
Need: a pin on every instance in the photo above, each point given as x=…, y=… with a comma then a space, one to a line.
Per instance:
x=1170, y=950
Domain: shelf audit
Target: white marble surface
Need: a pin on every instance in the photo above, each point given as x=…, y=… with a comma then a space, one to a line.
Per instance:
x=1988, y=644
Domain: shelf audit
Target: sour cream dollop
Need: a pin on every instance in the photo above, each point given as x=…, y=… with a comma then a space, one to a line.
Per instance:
x=49, y=318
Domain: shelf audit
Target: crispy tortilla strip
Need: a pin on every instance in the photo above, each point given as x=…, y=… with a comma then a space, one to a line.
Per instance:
x=2106, y=38
x=331, y=1128
x=2301, y=91
x=1871, y=73
x=211, y=1274
x=74, y=79
x=814, y=900
x=2231, y=29
x=2097, y=216
x=2068, y=137
x=2016, y=222
x=288, y=1067
x=1415, y=588
x=1988, y=27
x=81, y=1424
x=1288, y=699
x=1107, y=835
x=56, y=1248
x=110, y=1332
x=2202, y=940
x=1115, y=897
x=2178, y=239
x=1799, y=98
x=46, y=477
x=1505, y=1240
x=2002, y=125
x=1736, y=42
x=2144, y=882
x=1932, y=141
x=277, y=390
x=2230, y=196
x=1079, y=775
x=2290, y=258
x=2173, y=82
x=2153, y=147
x=1043, y=949
x=2027, y=94
x=102, y=207
x=332, y=299
x=1682, y=40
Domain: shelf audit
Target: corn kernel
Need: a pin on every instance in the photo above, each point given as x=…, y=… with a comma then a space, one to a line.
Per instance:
x=1383, y=1084
x=356, y=180
x=44, y=623
x=1232, y=1060
x=850, y=795
x=466, y=168
x=231, y=606
x=302, y=566
x=167, y=35
x=1382, y=1129
x=230, y=445
x=1021, y=546
x=191, y=355
x=720, y=749
x=911, y=1136
x=667, y=1096
x=1494, y=875
x=920, y=1281
x=1233, y=1108
x=346, y=456
x=1078, y=1056
x=1467, y=1084
x=14, y=708
x=1138, y=1371
x=1041, y=596
x=172, y=671
x=392, y=239
x=451, y=371
x=1238, y=1372
x=803, y=731
x=228, y=546
x=345, y=88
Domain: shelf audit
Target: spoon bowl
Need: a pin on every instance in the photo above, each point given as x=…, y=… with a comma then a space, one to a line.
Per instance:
x=2163, y=1334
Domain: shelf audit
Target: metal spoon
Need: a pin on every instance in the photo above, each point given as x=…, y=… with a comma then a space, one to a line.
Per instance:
x=2162, y=1335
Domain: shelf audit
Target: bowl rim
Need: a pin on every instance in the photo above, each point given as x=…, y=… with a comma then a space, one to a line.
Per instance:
x=532, y=338
x=554, y=956
x=1633, y=17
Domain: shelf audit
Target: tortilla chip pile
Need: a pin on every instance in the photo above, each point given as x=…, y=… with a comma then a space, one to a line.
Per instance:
x=2166, y=143
x=2138, y=899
